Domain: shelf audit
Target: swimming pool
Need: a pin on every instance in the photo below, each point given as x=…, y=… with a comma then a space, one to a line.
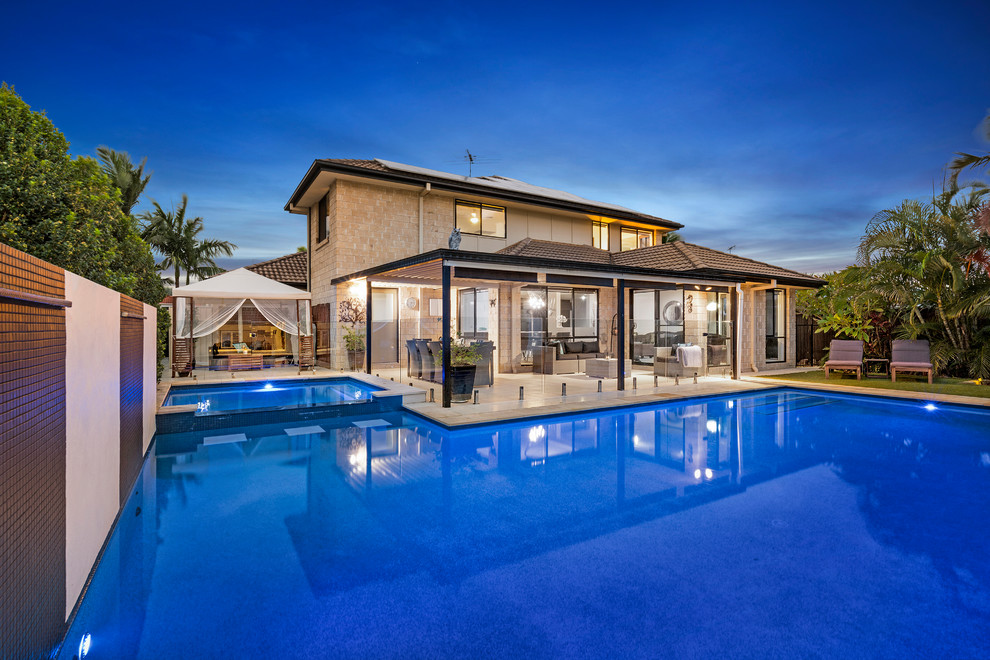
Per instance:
x=260, y=395
x=783, y=523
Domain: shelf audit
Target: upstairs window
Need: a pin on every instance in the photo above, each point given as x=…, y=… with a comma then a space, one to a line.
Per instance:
x=631, y=238
x=321, y=220
x=480, y=219
x=599, y=235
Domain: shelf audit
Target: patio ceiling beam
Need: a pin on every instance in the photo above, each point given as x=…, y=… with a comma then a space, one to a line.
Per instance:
x=466, y=272
x=580, y=280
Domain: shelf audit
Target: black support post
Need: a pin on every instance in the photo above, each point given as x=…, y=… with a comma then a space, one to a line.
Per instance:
x=445, y=336
x=367, y=329
x=620, y=353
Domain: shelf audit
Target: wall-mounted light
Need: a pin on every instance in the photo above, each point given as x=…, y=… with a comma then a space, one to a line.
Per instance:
x=357, y=289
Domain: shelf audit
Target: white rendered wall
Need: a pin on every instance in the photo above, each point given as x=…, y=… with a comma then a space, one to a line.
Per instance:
x=92, y=425
x=150, y=389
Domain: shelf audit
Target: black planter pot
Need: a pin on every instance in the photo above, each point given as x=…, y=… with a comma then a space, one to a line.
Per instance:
x=462, y=382
x=355, y=360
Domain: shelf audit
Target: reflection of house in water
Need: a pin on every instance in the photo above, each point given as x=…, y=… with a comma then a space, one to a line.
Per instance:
x=394, y=495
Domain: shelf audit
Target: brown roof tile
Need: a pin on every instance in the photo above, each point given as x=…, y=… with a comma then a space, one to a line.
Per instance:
x=353, y=162
x=680, y=257
x=531, y=247
x=289, y=269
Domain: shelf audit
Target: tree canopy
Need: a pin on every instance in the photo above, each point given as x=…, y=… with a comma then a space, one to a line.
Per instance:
x=67, y=210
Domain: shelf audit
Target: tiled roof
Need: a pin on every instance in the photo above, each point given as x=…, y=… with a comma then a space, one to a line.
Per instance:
x=289, y=269
x=353, y=162
x=530, y=247
x=679, y=257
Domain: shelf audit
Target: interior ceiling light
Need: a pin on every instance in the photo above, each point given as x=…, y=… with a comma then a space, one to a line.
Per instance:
x=474, y=218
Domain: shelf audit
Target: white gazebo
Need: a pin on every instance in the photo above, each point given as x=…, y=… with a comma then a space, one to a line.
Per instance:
x=240, y=320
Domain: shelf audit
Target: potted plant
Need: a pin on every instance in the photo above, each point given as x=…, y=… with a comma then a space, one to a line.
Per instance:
x=354, y=343
x=463, y=364
x=350, y=312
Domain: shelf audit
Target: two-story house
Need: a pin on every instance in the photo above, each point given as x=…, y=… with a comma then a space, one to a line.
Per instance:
x=537, y=271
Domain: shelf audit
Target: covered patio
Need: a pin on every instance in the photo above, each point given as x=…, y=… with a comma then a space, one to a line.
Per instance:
x=240, y=321
x=556, y=327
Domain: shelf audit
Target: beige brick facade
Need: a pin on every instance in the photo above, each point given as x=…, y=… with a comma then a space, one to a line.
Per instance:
x=371, y=222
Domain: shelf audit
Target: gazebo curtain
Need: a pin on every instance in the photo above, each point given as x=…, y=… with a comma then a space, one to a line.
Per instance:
x=210, y=314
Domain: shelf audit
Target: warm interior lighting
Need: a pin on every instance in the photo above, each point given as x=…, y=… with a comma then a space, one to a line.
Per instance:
x=535, y=302
x=711, y=307
x=474, y=218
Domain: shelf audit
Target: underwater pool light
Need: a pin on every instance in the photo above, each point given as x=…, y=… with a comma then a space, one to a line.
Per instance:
x=930, y=406
x=268, y=386
x=84, y=644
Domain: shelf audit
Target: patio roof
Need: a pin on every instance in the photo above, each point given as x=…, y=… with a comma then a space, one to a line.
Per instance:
x=241, y=283
x=687, y=263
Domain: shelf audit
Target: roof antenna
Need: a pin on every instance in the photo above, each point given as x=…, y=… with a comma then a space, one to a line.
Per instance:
x=731, y=248
x=470, y=160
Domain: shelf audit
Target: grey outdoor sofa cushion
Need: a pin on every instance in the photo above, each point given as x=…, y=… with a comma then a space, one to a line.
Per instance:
x=910, y=355
x=845, y=355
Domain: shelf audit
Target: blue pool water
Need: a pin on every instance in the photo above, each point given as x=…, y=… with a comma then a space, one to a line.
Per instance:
x=781, y=524
x=254, y=395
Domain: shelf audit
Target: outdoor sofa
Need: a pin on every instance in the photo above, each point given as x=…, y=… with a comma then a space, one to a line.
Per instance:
x=565, y=357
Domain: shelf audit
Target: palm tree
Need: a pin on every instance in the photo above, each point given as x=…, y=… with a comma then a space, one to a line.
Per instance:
x=200, y=260
x=971, y=161
x=177, y=240
x=929, y=259
x=129, y=179
x=670, y=237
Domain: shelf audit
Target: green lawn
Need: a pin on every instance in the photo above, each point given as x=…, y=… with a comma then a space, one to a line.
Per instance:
x=957, y=386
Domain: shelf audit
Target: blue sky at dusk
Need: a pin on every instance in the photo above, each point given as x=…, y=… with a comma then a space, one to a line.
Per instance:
x=778, y=129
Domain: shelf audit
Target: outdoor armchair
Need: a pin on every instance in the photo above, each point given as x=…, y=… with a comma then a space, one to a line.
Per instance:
x=845, y=355
x=910, y=355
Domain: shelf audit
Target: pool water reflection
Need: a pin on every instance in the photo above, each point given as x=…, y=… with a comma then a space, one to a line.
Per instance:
x=391, y=536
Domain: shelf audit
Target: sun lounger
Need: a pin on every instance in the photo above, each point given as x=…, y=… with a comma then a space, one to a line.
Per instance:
x=845, y=355
x=910, y=355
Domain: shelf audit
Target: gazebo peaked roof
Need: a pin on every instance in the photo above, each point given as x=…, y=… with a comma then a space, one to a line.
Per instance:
x=241, y=283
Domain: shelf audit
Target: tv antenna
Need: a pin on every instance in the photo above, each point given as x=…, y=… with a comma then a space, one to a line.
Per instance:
x=473, y=159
